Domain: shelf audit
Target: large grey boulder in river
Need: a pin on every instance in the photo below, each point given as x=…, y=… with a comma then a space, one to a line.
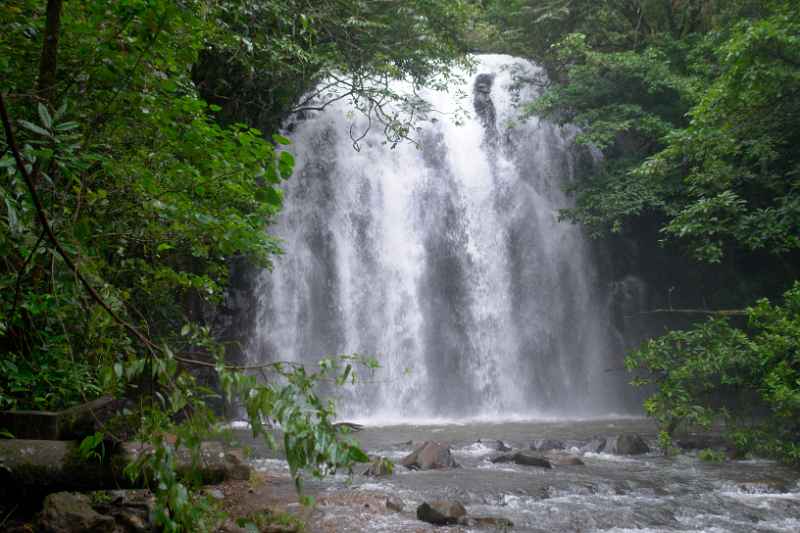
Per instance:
x=440, y=512
x=431, y=455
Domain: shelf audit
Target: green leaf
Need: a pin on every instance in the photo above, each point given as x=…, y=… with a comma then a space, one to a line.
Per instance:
x=269, y=195
x=44, y=115
x=35, y=129
x=280, y=139
x=286, y=164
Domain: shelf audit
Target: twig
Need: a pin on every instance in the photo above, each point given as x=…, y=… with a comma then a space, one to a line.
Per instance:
x=720, y=312
x=11, y=512
x=21, y=271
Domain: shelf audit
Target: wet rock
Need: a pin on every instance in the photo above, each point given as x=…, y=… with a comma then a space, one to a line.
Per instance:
x=67, y=512
x=132, y=509
x=393, y=503
x=486, y=522
x=627, y=444
x=564, y=459
x=441, y=512
x=379, y=467
x=596, y=445
x=523, y=458
x=496, y=445
x=431, y=455
x=544, y=445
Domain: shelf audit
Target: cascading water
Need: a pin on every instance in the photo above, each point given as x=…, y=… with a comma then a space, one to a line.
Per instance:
x=446, y=261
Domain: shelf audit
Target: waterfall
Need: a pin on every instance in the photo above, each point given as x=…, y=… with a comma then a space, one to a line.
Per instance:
x=445, y=260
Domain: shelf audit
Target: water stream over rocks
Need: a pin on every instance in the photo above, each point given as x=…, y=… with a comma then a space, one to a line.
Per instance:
x=645, y=493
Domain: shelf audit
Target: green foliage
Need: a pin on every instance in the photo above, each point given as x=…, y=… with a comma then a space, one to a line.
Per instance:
x=152, y=189
x=92, y=447
x=694, y=105
x=261, y=521
x=760, y=366
x=711, y=456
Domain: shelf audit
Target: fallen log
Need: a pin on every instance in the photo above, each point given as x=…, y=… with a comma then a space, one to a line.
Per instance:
x=43, y=466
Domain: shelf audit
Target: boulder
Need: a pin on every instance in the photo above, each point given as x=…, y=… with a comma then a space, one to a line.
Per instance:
x=393, y=503
x=431, y=455
x=441, y=512
x=627, y=444
x=67, y=512
x=379, y=467
x=132, y=509
x=596, y=445
x=486, y=522
x=523, y=458
x=545, y=445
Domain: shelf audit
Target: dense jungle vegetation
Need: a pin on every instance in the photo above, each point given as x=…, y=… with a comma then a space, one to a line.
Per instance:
x=139, y=162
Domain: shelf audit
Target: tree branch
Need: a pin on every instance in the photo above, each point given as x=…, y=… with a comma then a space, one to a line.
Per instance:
x=45, y=223
x=720, y=312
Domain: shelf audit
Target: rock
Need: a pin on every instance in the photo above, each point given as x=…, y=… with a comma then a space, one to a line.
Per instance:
x=486, y=522
x=67, y=512
x=544, y=445
x=34, y=468
x=431, y=455
x=627, y=444
x=596, y=445
x=132, y=509
x=523, y=458
x=496, y=445
x=393, y=503
x=379, y=467
x=564, y=459
x=441, y=512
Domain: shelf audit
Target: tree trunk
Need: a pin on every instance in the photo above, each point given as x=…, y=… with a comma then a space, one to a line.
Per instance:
x=49, y=60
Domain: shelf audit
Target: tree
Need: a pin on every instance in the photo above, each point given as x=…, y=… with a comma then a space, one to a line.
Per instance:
x=124, y=199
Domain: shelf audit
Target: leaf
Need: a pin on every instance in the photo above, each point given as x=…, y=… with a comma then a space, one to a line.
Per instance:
x=13, y=221
x=280, y=139
x=357, y=455
x=35, y=129
x=286, y=165
x=185, y=329
x=270, y=195
x=44, y=115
